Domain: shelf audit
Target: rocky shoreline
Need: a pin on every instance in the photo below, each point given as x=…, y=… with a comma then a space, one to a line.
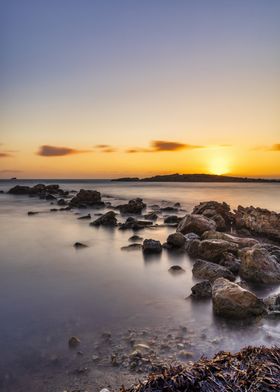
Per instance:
x=231, y=251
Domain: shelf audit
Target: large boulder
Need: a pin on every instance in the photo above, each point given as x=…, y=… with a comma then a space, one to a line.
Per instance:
x=206, y=270
x=87, y=198
x=134, y=206
x=259, y=221
x=219, y=212
x=151, y=246
x=231, y=300
x=215, y=250
x=258, y=265
x=176, y=240
x=241, y=242
x=193, y=223
x=108, y=219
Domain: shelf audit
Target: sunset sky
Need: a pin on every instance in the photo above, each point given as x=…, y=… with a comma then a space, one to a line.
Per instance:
x=108, y=88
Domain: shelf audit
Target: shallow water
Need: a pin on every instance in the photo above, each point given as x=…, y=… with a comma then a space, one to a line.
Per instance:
x=50, y=291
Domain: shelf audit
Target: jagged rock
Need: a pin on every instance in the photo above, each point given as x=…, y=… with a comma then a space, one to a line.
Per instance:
x=107, y=219
x=151, y=246
x=195, y=224
x=206, y=270
x=231, y=262
x=172, y=219
x=259, y=221
x=273, y=250
x=176, y=240
x=212, y=250
x=240, y=241
x=151, y=216
x=258, y=265
x=202, y=290
x=86, y=198
x=134, y=206
x=231, y=300
x=134, y=224
x=219, y=212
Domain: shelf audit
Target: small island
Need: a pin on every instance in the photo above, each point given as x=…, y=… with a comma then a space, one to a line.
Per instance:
x=195, y=178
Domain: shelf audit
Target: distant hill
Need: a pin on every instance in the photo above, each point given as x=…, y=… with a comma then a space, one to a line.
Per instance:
x=194, y=178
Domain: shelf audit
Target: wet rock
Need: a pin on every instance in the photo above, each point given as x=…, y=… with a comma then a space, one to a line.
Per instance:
x=213, y=250
x=87, y=198
x=259, y=221
x=176, y=269
x=258, y=265
x=151, y=246
x=241, y=242
x=135, y=206
x=151, y=216
x=79, y=245
x=135, y=238
x=172, y=219
x=230, y=300
x=197, y=224
x=219, y=212
x=206, y=270
x=169, y=209
x=202, y=290
x=134, y=224
x=176, y=240
x=132, y=247
x=88, y=216
x=107, y=219
x=74, y=342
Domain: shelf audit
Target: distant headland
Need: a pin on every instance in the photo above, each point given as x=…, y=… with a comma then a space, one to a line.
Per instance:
x=194, y=178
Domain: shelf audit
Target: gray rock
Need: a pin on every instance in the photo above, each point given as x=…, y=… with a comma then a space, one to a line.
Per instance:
x=195, y=224
x=230, y=300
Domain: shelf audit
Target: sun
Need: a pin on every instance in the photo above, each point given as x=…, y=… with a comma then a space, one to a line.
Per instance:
x=219, y=166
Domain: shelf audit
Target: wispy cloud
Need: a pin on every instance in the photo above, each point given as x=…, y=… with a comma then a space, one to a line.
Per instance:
x=163, y=145
x=274, y=147
x=7, y=171
x=55, y=151
x=5, y=155
x=107, y=148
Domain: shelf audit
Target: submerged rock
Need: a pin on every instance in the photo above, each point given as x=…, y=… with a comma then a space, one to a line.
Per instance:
x=206, y=270
x=176, y=269
x=197, y=224
x=151, y=246
x=132, y=247
x=231, y=300
x=79, y=245
x=107, y=219
x=258, y=265
x=202, y=290
x=135, y=238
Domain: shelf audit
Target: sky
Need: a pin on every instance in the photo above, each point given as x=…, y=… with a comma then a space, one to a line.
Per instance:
x=110, y=88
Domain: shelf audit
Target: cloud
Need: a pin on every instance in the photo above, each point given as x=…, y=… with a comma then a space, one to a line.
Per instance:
x=10, y=171
x=163, y=145
x=5, y=155
x=275, y=147
x=105, y=148
x=54, y=151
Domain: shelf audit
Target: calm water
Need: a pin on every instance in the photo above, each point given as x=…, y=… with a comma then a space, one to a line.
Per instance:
x=50, y=291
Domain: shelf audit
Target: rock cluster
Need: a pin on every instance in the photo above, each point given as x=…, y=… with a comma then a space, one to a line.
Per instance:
x=135, y=206
x=87, y=198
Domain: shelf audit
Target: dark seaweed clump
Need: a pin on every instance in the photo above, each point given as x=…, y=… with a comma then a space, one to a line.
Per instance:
x=252, y=369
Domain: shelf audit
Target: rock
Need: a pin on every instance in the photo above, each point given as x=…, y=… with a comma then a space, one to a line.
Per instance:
x=176, y=269
x=230, y=300
x=202, y=289
x=213, y=250
x=151, y=246
x=79, y=245
x=169, y=209
x=177, y=205
x=134, y=206
x=50, y=197
x=134, y=224
x=273, y=250
x=74, y=342
x=40, y=190
x=241, y=242
x=107, y=219
x=206, y=270
x=258, y=265
x=172, y=219
x=273, y=303
x=88, y=216
x=61, y=202
x=185, y=354
x=176, y=240
x=104, y=390
x=33, y=212
x=135, y=238
x=195, y=224
x=151, y=216
x=259, y=221
x=231, y=262
x=219, y=212
x=191, y=237
x=20, y=190
x=132, y=247
x=87, y=198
